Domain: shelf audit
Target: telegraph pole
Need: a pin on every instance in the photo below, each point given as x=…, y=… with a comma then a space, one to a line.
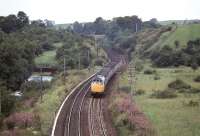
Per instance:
x=41, y=83
x=136, y=27
x=79, y=61
x=64, y=67
x=0, y=101
x=130, y=78
x=96, y=45
x=88, y=57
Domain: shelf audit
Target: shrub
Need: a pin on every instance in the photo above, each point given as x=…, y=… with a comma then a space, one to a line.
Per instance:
x=164, y=94
x=99, y=62
x=197, y=79
x=1, y=122
x=139, y=92
x=183, y=90
x=191, y=90
x=192, y=103
x=22, y=119
x=194, y=90
x=178, y=84
x=128, y=116
x=194, y=66
x=156, y=77
x=139, y=67
x=149, y=72
x=126, y=89
x=7, y=103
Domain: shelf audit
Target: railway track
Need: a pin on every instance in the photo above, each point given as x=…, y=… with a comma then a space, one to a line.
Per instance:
x=83, y=115
x=95, y=118
x=80, y=114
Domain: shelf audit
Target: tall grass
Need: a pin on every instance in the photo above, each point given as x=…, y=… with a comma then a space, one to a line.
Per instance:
x=47, y=108
x=170, y=117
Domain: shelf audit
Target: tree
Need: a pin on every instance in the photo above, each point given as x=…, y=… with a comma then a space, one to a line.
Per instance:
x=194, y=66
x=154, y=20
x=8, y=24
x=77, y=27
x=16, y=59
x=22, y=19
x=39, y=23
x=2, y=35
x=49, y=23
x=133, y=23
x=177, y=43
x=99, y=26
x=6, y=100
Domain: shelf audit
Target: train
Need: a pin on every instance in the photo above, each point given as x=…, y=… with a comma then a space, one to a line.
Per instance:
x=99, y=82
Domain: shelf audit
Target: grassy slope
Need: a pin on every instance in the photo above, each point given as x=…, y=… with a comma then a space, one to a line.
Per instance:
x=183, y=34
x=48, y=57
x=170, y=117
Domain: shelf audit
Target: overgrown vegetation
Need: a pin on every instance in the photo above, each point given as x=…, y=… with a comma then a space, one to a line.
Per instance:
x=127, y=117
x=25, y=45
x=170, y=102
x=197, y=79
x=188, y=56
x=164, y=94
x=178, y=84
x=35, y=114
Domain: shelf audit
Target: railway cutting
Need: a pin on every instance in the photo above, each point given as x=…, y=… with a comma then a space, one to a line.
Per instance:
x=82, y=111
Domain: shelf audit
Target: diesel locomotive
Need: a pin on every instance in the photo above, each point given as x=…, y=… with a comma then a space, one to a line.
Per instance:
x=100, y=81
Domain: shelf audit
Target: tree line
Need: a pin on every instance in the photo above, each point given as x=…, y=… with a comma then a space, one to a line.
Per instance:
x=188, y=56
x=21, y=40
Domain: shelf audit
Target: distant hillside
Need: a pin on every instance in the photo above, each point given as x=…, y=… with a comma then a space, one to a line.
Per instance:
x=62, y=26
x=183, y=34
x=179, y=22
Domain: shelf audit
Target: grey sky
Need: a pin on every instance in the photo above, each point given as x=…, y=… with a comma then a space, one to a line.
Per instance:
x=67, y=11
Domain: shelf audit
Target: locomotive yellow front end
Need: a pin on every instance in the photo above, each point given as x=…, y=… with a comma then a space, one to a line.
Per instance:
x=97, y=85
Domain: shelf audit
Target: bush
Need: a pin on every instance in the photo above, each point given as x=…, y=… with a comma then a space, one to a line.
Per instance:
x=183, y=90
x=140, y=92
x=99, y=62
x=191, y=90
x=126, y=89
x=139, y=67
x=178, y=84
x=164, y=94
x=149, y=72
x=156, y=77
x=194, y=90
x=22, y=119
x=7, y=102
x=1, y=121
x=192, y=103
x=197, y=79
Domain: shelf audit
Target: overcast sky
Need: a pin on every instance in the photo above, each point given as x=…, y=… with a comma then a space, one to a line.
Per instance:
x=68, y=11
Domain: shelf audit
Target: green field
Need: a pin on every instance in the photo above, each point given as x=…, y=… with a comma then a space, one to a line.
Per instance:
x=48, y=57
x=170, y=117
x=183, y=34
